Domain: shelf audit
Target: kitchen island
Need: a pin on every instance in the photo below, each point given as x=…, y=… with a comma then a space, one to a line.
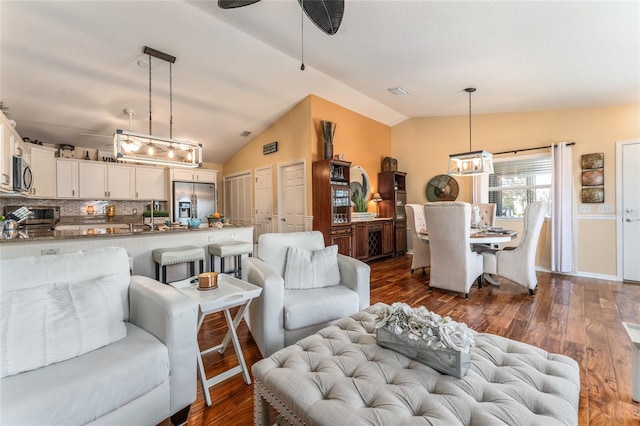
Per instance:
x=138, y=241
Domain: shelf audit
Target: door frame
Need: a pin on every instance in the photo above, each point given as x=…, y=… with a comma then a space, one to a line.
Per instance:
x=619, y=212
x=281, y=167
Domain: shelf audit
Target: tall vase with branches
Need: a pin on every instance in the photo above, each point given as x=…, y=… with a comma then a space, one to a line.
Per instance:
x=328, y=129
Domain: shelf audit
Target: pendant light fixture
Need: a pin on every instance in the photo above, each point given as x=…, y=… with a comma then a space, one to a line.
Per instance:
x=158, y=150
x=473, y=162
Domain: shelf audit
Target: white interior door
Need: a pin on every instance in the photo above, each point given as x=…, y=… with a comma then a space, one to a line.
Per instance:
x=630, y=182
x=294, y=200
x=237, y=199
x=264, y=201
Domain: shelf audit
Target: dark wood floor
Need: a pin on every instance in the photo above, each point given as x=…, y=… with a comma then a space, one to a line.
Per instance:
x=579, y=317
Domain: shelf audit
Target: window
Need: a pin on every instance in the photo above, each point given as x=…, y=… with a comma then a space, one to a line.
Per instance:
x=516, y=183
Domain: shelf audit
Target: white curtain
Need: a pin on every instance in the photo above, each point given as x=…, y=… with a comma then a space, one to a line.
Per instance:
x=480, y=189
x=562, y=220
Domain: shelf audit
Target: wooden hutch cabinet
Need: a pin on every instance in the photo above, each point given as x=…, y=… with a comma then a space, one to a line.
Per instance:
x=393, y=190
x=372, y=239
x=332, y=203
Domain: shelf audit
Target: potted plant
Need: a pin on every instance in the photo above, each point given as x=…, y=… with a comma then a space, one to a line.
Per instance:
x=359, y=202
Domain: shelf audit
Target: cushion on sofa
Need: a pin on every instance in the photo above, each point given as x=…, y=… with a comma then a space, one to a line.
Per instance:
x=303, y=308
x=55, y=322
x=306, y=269
x=34, y=271
x=82, y=389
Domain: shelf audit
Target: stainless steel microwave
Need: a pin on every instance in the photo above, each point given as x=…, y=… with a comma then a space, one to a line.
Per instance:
x=22, y=175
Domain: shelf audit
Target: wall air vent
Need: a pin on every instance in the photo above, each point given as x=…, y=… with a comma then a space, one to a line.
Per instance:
x=398, y=90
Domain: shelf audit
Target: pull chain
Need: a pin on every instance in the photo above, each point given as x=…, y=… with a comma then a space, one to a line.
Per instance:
x=302, y=31
x=150, y=95
x=170, y=101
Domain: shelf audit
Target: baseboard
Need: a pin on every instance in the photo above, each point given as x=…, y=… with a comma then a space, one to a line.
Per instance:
x=583, y=274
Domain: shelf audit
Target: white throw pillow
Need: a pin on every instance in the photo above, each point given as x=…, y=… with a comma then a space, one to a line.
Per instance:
x=54, y=322
x=311, y=269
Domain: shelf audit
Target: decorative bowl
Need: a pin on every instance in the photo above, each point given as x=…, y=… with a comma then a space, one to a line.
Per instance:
x=194, y=222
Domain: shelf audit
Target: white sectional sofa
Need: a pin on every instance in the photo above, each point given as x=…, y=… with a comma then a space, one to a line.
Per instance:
x=83, y=342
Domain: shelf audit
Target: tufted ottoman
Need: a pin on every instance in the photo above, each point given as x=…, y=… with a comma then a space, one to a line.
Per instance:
x=340, y=376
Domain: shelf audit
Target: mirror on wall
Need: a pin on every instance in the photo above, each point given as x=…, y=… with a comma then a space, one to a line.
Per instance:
x=359, y=181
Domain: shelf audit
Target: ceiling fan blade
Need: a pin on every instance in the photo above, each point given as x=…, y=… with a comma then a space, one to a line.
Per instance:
x=97, y=135
x=232, y=4
x=326, y=14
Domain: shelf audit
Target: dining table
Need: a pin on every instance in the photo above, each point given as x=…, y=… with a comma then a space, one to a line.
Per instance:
x=486, y=237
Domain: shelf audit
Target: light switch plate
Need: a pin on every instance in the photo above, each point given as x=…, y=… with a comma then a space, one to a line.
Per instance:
x=605, y=208
x=585, y=208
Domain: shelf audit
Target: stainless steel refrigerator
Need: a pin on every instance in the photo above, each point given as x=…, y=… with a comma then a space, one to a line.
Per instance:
x=193, y=200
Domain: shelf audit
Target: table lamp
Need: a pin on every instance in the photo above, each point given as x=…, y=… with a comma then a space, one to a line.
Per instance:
x=377, y=198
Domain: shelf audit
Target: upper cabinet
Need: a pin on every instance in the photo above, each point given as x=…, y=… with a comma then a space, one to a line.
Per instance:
x=66, y=178
x=150, y=183
x=12, y=145
x=43, y=166
x=121, y=182
x=194, y=175
x=7, y=140
x=92, y=176
x=95, y=180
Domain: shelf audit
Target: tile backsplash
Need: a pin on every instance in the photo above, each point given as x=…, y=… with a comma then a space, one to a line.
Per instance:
x=77, y=207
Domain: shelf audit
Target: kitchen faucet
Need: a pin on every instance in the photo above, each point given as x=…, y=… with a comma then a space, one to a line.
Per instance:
x=151, y=209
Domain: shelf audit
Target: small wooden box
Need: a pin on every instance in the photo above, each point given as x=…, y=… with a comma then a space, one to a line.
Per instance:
x=389, y=164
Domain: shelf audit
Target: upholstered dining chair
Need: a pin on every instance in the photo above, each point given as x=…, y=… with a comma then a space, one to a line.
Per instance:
x=519, y=264
x=417, y=224
x=305, y=287
x=453, y=265
x=487, y=213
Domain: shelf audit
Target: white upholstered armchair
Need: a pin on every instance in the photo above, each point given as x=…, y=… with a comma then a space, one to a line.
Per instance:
x=487, y=213
x=284, y=313
x=453, y=265
x=519, y=264
x=421, y=254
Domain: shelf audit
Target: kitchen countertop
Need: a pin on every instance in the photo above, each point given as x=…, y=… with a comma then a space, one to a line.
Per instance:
x=99, y=231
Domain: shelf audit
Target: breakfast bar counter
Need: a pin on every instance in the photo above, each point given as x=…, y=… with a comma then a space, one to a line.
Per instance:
x=102, y=230
x=139, y=243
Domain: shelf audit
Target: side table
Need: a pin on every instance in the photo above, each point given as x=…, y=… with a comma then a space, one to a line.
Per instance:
x=230, y=293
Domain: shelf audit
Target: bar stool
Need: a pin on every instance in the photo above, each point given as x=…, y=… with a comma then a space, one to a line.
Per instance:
x=174, y=255
x=230, y=248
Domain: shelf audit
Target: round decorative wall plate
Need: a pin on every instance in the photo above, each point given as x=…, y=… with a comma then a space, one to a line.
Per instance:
x=442, y=188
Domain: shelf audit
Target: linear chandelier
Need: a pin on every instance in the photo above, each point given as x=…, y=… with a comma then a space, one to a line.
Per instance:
x=472, y=162
x=140, y=148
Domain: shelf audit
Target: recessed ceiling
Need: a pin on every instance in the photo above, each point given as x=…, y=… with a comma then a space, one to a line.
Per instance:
x=70, y=68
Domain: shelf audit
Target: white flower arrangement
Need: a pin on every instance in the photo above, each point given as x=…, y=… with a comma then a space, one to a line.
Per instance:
x=422, y=324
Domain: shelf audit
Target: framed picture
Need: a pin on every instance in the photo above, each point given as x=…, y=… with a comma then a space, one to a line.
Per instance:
x=593, y=195
x=593, y=161
x=593, y=177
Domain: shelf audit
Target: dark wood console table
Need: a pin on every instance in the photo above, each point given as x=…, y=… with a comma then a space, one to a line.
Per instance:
x=372, y=239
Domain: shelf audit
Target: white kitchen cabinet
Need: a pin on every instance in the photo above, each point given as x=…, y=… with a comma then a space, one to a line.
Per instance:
x=92, y=177
x=7, y=138
x=120, y=182
x=150, y=183
x=67, y=178
x=106, y=181
x=43, y=167
x=21, y=149
x=194, y=175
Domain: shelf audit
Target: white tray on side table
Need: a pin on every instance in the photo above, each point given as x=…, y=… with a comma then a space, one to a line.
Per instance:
x=231, y=292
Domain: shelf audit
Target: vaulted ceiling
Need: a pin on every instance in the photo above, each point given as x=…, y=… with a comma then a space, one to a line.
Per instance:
x=68, y=69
